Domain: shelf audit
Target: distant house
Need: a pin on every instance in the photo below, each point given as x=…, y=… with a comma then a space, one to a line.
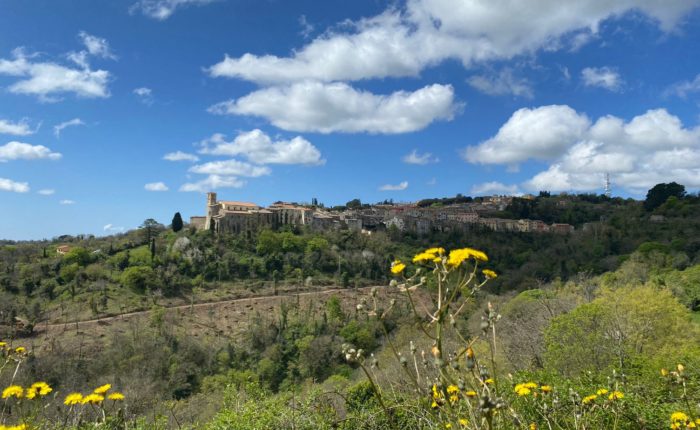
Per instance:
x=63, y=249
x=657, y=218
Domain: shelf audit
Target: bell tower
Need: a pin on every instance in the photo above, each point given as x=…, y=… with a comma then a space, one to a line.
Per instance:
x=212, y=210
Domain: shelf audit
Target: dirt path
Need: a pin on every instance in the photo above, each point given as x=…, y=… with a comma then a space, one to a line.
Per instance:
x=41, y=328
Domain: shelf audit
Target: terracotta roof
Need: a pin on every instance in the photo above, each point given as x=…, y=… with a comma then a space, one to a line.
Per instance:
x=246, y=204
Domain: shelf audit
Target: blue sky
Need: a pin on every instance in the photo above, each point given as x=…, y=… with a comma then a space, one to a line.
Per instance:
x=116, y=111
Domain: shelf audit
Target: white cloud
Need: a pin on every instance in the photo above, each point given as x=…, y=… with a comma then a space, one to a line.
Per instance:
x=47, y=79
x=398, y=187
x=96, y=46
x=213, y=182
x=145, y=95
x=155, y=186
x=25, y=151
x=650, y=148
x=259, y=148
x=180, y=156
x=66, y=202
x=542, y=133
x=404, y=40
x=113, y=229
x=163, y=9
x=495, y=188
x=603, y=77
x=503, y=83
x=684, y=88
x=47, y=192
x=416, y=158
x=230, y=168
x=59, y=127
x=306, y=27
x=21, y=128
x=12, y=186
x=337, y=107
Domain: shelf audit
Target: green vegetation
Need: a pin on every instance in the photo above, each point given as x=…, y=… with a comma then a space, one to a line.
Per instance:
x=597, y=329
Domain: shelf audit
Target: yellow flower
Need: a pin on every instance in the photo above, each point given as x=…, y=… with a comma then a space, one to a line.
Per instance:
x=423, y=257
x=533, y=426
x=588, y=399
x=13, y=391
x=42, y=388
x=31, y=393
x=602, y=392
x=453, y=392
x=73, y=399
x=17, y=427
x=435, y=251
x=103, y=389
x=522, y=391
x=116, y=396
x=616, y=395
x=679, y=416
x=448, y=425
x=20, y=350
x=463, y=422
x=664, y=372
x=490, y=274
x=458, y=256
x=680, y=368
x=470, y=393
x=397, y=267
x=3, y=344
x=93, y=399
x=546, y=388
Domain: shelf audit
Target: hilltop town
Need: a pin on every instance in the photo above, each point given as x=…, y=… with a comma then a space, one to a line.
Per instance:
x=246, y=218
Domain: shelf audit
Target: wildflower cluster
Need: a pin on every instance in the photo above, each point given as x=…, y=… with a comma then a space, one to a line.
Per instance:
x=531, y=388
x=37, y=389
x=681, y=420
x=97, y=397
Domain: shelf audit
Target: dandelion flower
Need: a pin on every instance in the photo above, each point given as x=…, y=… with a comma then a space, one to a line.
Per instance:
x=679, y=416
x=20, y=350
x=602, y=392
x=423, y=257
x=93, y=399
x=13, y=391
x=116, y=396
x=616, y=395
x=546, y=388
x=397, y=267
x=463, y=422
x=42, y=388
x=103, y=389
x=470, y=393
x=490, y=274
x=522, y=391
x=73, y=399
x=589, y=399
x=3, y=344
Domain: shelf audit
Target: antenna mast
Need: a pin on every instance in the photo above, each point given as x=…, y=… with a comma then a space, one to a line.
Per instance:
x=608, y=187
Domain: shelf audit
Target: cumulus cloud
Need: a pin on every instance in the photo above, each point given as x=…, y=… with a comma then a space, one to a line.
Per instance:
x=503, y=83
x=542, y=133
x=398, y=187
x=66, y=202
x=684, y=88
x=19, y=128
x=212, y=182
x=603, y=77
x=495, y=188
x=12, y=186
x=155, y=186
x=46, y=79
x=338, y=107
x=144, y=94
x=259, y=148
x=180, y=156
x=58, y=128
x=25, y=151
x=46, y=192
x=414, y=157
x=650, y=148
x=163, y=9
x=230, y=168
x=96, y=46
x=404, y=40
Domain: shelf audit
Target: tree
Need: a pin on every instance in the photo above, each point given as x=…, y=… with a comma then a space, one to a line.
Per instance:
x=177, y=222
x=149, y=227
x=661, y=192
x=354, y=204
